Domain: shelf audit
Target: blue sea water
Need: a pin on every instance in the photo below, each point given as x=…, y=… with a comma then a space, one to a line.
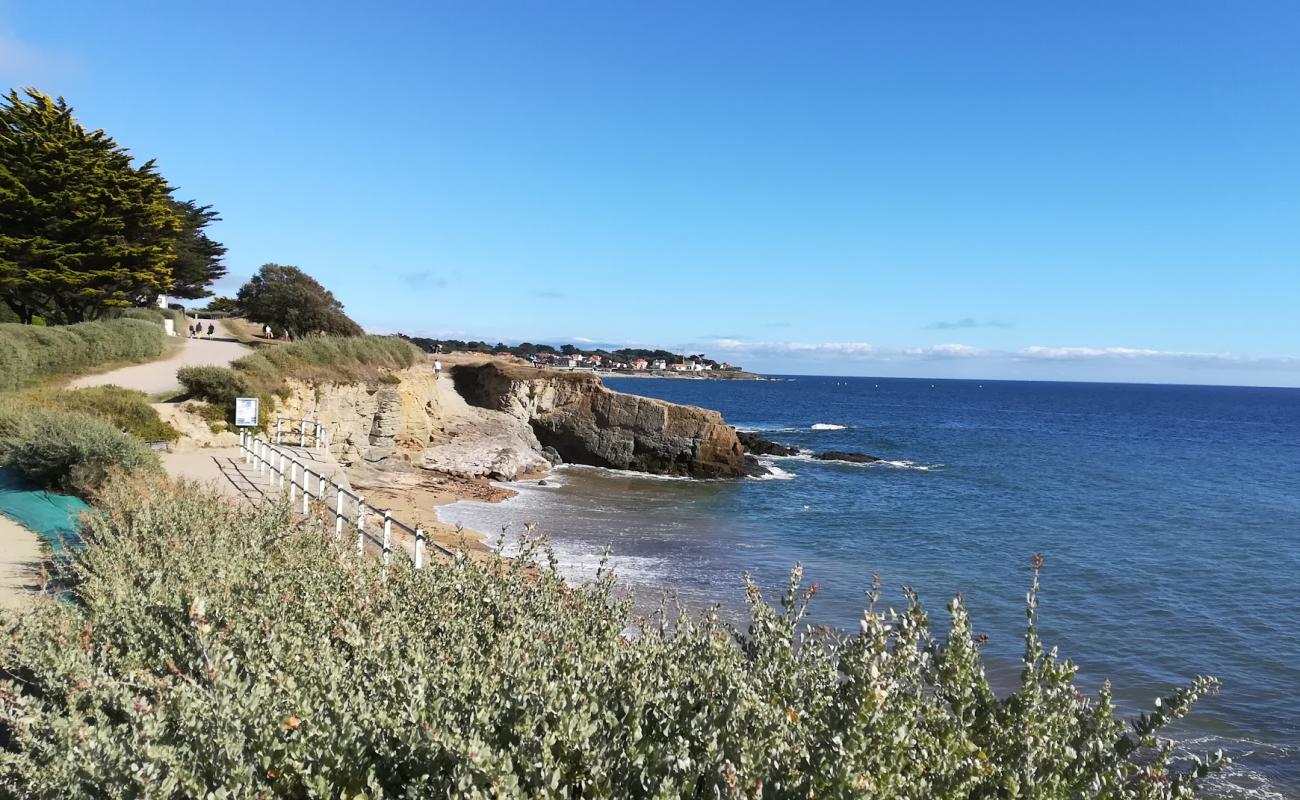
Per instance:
x=1169, y=518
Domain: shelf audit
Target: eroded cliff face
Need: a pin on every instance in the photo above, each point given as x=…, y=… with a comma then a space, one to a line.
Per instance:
x=412, y=420
x=369, y=422
x=588, y=424
x=498, y=420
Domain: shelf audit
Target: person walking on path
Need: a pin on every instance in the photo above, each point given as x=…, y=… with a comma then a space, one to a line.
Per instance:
x=437, y=369
x=211, y=329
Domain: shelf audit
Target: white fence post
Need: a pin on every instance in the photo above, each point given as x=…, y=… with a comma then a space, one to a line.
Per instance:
x=388, y=535
x=419, y=547
x=361, y=524
x=306, y=489
x=279, y=430
x=302, y=434
x=338, y=514
x=293, y=480
x=280, y=473
x=320, y=490
x=315, y=439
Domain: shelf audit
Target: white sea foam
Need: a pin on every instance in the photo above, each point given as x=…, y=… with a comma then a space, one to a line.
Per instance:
x=905, y=465
x=774, y=473
x=631, y=473
x=827, y=426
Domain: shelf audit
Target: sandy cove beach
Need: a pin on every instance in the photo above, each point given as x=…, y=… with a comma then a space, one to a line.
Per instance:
x=417, y=505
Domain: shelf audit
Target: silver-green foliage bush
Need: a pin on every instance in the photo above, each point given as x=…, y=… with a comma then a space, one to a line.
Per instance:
x=217, y=649
x=68, y=450
x=29, y=353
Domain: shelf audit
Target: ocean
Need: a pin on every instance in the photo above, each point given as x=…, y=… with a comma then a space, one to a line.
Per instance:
x=1168, y=518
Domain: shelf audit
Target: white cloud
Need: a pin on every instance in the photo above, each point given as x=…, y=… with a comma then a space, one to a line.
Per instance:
x=865, y=351
x=1140, y=354
x=862, y=350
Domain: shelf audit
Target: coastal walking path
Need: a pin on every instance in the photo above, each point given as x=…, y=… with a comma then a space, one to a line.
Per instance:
x=156, y=377
x=225, y=469
x=20, y=565
x=20, y=549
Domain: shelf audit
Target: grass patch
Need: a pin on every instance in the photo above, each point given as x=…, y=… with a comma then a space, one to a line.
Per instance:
x=71, y=451
x=127, y=410
x=360, y=359
x=31, y=353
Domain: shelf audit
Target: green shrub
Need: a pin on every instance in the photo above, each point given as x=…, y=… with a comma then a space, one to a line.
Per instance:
x=69, y=451
x=146, y=314
x=34, y=352
x=207, y=411
x=217, y=650
x=218, y=385
x=149, y=314
x=126, y=409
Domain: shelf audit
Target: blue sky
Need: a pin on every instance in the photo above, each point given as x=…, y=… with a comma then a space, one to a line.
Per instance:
x=1099, y=190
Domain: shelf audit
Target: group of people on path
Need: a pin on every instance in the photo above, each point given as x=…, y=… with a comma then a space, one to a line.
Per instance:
x=196, y=330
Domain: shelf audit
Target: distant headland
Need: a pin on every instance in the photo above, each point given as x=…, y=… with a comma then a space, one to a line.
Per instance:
x=627, y=362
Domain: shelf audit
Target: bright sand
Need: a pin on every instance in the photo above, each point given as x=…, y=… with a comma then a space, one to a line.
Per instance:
x=20, y=564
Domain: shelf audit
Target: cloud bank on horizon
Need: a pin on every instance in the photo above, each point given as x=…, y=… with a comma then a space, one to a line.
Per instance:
x=1086, y=363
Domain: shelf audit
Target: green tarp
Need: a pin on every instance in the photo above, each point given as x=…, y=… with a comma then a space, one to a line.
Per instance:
x=53, y=516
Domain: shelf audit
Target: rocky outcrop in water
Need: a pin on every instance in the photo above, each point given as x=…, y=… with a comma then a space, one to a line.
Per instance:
x=852, y=458
x=759, y=446
x=585, y=423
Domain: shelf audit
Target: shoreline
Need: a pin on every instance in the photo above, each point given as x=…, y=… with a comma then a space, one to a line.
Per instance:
x=419, y=504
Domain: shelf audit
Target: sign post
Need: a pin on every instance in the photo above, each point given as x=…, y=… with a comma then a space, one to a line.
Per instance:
x=246, y=409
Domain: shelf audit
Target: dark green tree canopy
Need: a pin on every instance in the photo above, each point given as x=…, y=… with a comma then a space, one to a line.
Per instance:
x=288, y=299
x=82, y=229
x=223, y=304
x=198, y=263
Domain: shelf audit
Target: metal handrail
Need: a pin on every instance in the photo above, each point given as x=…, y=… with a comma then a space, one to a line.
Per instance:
x=256, y=451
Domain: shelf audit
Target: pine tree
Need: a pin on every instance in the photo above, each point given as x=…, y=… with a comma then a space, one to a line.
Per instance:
x=82, y=229
x=198, y=261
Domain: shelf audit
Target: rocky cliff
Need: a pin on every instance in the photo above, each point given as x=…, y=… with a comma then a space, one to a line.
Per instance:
x=412, y=420
x=586, y=423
